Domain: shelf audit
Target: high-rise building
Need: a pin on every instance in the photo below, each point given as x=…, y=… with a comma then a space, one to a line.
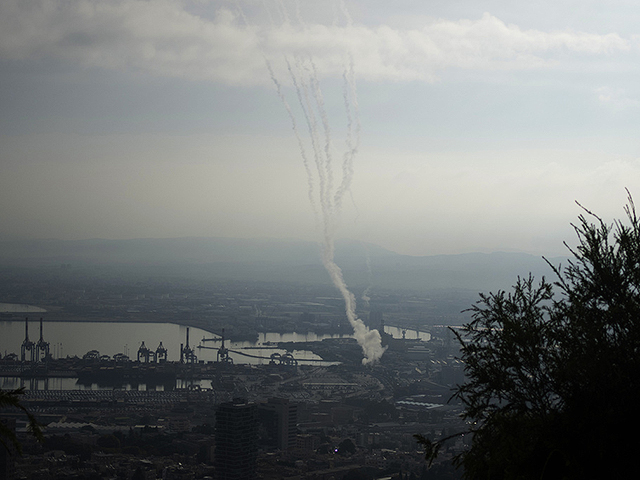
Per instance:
x=279, y=418
x=236, y=435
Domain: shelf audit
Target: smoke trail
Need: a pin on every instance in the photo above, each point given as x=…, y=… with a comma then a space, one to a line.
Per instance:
x=268, y=10
x=282, y=10
x=300, y=86
x=345, y=12
x=369, y=340
x=325, y=123
x=294, y=125
x=298, y=14
x=350, y=100
x=305, y=80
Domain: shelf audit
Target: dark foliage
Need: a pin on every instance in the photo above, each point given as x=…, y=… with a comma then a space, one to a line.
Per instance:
x=69, y=446
x=108, y=442
x=553, y=380
x=346, y=447
x=10, y=400
x=358, y=474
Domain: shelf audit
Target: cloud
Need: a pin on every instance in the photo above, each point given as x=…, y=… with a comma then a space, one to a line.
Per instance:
x=165, y=37
x=616, y=98
x=158, y=37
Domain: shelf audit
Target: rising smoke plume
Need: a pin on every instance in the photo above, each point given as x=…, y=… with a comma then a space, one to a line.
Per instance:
x=326, y=199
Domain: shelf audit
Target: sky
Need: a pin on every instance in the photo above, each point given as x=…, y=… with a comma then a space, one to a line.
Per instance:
x=467, y=125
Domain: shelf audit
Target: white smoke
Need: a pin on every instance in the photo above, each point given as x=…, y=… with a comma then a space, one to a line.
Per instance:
x=326, y=200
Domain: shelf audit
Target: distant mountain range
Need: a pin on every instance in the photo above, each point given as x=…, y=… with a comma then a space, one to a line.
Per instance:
x=280, y=260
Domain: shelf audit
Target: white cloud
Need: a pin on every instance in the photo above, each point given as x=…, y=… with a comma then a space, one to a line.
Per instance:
x=163, y=37
x=159, y=37
x=615, y=98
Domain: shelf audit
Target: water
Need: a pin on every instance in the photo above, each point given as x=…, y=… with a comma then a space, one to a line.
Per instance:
x=77, y=338
x=408, y=334
x=108, y=338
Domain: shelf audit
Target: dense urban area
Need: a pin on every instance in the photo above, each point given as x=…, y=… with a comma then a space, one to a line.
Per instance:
x=280, y=418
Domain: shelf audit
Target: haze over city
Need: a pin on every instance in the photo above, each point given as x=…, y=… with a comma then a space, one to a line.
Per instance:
x=480, y=123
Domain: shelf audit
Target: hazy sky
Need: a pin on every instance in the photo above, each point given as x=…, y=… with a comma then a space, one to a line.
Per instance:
x=481, y=121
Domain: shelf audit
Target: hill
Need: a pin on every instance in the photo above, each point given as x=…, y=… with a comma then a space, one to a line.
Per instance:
x=277, y=260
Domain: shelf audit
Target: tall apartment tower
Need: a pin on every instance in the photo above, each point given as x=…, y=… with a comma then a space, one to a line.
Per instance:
x=279, y=416
x=236, y=435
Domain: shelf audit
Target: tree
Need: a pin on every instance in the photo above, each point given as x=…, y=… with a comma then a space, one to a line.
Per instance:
x=138, y=474
x=11, y=399
x=346, y=447
x=108, y=442
x=357, y=474
x=553, y=370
